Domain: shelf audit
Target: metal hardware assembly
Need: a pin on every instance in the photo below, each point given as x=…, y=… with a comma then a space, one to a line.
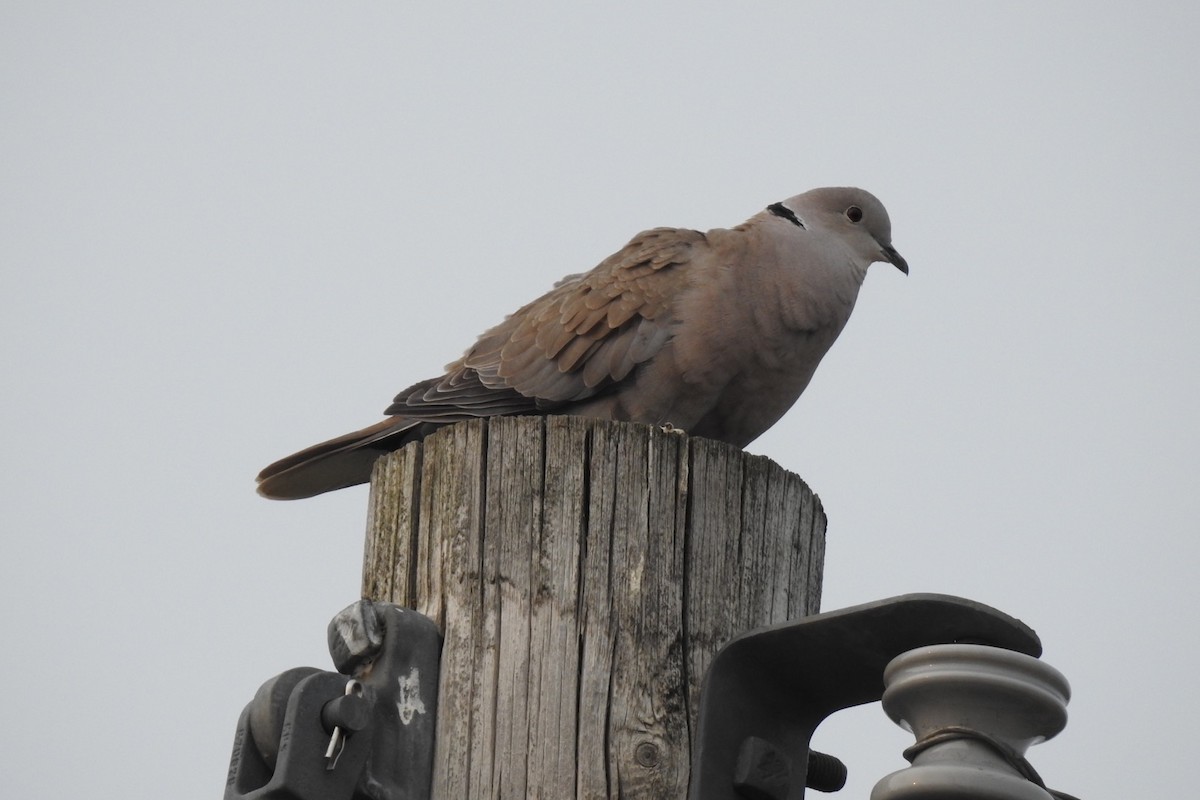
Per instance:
x=767, y=690
x=366, y=732
x=362, y=733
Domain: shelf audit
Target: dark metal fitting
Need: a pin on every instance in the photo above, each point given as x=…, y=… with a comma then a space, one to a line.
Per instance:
x=350, y=712
x=767, y=690
x=362, y=733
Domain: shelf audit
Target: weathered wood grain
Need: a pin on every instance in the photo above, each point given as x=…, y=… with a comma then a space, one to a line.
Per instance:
x=584, y=573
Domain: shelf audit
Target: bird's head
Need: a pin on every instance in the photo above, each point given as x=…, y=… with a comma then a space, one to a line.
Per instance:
x=854, y=215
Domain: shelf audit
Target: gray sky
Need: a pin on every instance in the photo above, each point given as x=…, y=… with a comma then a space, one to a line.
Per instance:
x=230, y=230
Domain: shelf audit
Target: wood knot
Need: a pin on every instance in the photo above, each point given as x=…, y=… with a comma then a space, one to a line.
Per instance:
x=647, y=755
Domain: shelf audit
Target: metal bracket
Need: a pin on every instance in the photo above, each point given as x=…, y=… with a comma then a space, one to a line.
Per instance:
x=767, y=690
x=363, y=733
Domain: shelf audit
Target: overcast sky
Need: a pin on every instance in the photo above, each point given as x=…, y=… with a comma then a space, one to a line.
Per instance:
x=230, y=230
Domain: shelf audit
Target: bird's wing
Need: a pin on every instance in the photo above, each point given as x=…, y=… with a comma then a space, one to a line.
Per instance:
x=585, y=335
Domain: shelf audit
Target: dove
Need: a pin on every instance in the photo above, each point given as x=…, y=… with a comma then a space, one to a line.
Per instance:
x=712, y=333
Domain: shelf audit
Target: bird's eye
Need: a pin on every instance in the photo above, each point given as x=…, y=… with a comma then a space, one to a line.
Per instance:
x=854, y=213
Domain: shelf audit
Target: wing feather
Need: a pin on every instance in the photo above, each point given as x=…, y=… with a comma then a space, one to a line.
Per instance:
x=587, y=333
x=591, y=330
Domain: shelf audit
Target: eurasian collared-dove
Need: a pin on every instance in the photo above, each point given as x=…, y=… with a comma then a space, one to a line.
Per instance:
x=715, y=334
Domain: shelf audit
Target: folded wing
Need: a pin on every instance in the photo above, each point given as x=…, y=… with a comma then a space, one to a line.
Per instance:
x=583, y=338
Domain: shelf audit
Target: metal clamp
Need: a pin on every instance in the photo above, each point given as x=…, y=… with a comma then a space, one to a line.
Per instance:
x=362, y=733
x=767, y=690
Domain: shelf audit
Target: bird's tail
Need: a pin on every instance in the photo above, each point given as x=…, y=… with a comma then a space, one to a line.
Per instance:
x=337, y=463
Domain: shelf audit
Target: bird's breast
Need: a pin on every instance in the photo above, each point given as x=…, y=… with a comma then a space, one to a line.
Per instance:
x=774, y=321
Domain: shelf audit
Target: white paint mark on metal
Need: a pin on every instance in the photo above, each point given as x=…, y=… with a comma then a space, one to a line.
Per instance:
x=410, y=696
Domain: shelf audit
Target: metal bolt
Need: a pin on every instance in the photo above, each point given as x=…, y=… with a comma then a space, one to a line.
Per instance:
x=346, y=714
x=826, y=773
x=355, y=636
x=763, y=771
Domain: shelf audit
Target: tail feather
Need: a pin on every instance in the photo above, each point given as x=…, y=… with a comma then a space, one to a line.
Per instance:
x=337, y=463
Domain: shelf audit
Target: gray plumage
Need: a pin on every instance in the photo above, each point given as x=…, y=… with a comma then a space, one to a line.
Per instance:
x=715, y=333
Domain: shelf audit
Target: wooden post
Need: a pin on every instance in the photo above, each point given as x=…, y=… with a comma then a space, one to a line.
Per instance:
x=584, y=573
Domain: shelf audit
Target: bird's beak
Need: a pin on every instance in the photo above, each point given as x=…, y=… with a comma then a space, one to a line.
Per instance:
x=892, y=257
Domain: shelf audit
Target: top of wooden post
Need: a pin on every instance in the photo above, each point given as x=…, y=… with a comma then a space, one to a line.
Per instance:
x=584, y=572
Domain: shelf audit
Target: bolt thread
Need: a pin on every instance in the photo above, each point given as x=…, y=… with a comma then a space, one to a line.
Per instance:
x=826, y=773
